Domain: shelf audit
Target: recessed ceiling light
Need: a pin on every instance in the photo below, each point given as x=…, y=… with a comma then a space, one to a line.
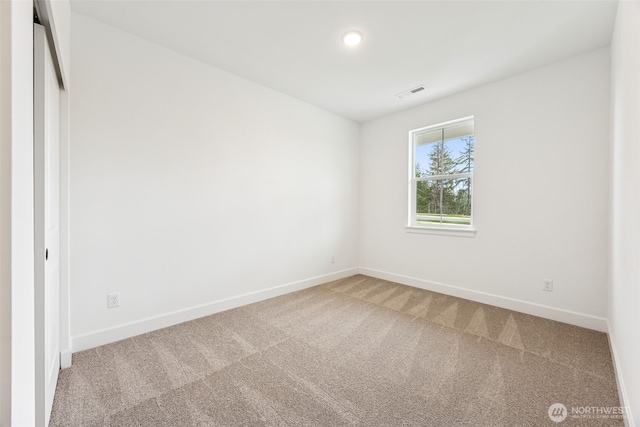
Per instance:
x=352, y=38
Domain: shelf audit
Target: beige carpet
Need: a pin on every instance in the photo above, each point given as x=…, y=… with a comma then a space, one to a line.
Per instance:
x=358, y=351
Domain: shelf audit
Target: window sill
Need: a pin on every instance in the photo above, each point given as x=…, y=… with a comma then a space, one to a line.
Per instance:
x=442, y=231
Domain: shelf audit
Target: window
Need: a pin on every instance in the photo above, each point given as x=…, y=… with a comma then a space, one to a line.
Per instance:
x=441, y=178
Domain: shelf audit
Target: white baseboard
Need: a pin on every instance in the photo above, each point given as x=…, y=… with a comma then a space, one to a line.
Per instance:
x=127, y=330
x=560, y=315
x=622, y=391
x=65, y=358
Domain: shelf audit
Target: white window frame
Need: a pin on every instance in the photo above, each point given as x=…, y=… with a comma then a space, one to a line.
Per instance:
x=434, y=228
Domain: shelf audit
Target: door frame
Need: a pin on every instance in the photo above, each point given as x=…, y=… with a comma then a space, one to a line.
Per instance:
x=17, y=364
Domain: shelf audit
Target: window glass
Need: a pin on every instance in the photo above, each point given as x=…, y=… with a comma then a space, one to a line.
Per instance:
x=442, y=174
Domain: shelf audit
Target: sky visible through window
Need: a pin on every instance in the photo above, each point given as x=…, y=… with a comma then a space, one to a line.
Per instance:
x=455, y=147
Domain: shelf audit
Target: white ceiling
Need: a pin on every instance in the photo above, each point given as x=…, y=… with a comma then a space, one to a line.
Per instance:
x=294, y=46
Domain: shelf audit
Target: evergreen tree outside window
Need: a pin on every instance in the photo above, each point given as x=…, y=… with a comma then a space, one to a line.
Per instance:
x=441, y=175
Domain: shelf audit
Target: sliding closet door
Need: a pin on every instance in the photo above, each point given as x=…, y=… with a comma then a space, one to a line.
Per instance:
x=47, y=225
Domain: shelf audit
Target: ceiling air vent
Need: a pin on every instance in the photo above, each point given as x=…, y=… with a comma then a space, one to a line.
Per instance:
x=411, y=91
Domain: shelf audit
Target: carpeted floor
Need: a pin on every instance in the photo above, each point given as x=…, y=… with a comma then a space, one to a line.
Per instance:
x=357, y=351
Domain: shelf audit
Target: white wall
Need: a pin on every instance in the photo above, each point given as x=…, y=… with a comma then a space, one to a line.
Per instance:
x=541, y=187
x=5, y=217
x=190, y=185
x=17, y=375
x=624, y=294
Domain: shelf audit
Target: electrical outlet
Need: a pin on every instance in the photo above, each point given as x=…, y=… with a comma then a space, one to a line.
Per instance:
x=113, y=300
x=333, y=259
x=547, y=285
